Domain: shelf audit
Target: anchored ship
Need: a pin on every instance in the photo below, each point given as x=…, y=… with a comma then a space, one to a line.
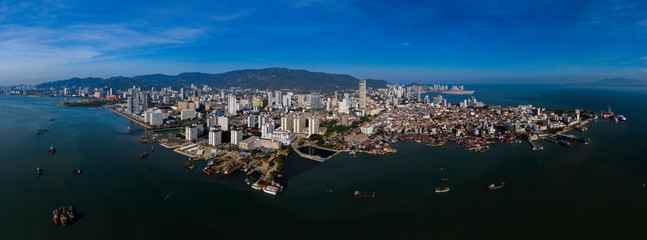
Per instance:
x=64, y=215
x=364, y=194
x=494, y=186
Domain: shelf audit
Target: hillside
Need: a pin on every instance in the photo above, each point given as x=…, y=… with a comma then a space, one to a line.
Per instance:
x=268, y=78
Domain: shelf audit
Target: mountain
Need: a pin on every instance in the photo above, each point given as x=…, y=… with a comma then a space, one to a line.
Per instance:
x=619, y=82
x=268, y=78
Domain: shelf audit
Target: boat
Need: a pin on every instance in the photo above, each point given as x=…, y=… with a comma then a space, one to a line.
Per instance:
x=445, y=179
x=40, y=131
x=271, y=190
x=621, y=118
x=55, y=216
x=152, y=148
x=441, y=190
x=564, y=143
x=38, y=171
x=51, y=149
x=76, y=171
x=51, y=119
x=442, y=169
x=167, y=196
x=362, y=194
x=329, y=190
x=353, y=153
x=495, y=186
x=143, y=155
x=447, y=147
x=64, y=215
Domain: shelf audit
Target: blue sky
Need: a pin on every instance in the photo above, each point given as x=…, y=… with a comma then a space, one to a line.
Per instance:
x=513, y=41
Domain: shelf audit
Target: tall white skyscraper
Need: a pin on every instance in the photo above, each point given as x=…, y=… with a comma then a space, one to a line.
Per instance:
x=313, y=125
x=278, y=98
x=362, y=94
x=231, y=107
x=191, y=132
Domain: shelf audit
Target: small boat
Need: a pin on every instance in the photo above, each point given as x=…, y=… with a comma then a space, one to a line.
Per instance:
x=364, y=194
x=55, y=216
x=76, y=171
x=445, y=179
x=167, y=196
x=40, y=131
x=621, y=118
x=51, y=149
x=143, y=155
x=329, y=190
x=441, y=190
x=447, y=147
x=442, y=169
x=271, y=189
x=152, y=148
x=38, y=171
x=494, y=186
x=51, y=119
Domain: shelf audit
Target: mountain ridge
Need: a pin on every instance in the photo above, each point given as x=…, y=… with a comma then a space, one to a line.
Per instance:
x=266, y=78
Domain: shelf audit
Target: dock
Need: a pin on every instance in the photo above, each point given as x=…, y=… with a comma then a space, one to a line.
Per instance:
x=315, y=157
x=131, y=118
x=536, y=147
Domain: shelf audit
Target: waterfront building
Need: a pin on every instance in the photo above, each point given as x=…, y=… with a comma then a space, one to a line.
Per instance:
x=236, y=136
x=187, y=114
x=223, y=122
x=157, y=118
x=285, y=137
x=191, y=132
x=362, y=94
x=215, y=136
x=129, y=106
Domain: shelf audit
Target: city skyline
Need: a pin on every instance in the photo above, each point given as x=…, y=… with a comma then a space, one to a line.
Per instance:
x=434, y=42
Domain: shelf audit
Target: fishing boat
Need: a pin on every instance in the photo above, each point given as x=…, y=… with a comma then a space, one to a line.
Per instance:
x=445, y=179
x=76, y=171
x=55, y=216
x=38, y=171
x=143, y=155
x=362, y=194
x=494, y=186
x=64, y=215
x=441, y=190
x=51, y=149
x=40, y=131
x=152, y=148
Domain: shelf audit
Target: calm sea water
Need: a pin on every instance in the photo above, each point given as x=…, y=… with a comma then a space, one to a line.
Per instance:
x=584, y=191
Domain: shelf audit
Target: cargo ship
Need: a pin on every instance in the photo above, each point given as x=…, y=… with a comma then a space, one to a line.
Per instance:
x=364, y=194
x=64, y=215
x=495, y=186
x=441, y=190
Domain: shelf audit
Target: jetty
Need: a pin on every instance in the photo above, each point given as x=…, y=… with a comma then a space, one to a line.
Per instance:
x=131, y=118
x=314, y=157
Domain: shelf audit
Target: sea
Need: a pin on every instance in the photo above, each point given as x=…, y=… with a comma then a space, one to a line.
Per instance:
x=585, y=191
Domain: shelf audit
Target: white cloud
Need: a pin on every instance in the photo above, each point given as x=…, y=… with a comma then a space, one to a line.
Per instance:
x=233, y=16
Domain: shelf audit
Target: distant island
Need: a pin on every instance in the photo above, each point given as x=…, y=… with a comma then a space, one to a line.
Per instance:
x=268, y=78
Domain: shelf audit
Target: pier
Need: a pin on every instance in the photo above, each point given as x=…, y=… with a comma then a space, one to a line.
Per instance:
x=131, y=118
x=536, y=147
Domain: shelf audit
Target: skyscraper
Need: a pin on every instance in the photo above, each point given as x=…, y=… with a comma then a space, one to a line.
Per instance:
x=315, y=100
x=362, y=94
x=215, y=136
x=231, y=107
x=236, y=136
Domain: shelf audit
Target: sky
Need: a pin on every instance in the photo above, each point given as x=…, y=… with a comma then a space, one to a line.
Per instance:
x=452, y=41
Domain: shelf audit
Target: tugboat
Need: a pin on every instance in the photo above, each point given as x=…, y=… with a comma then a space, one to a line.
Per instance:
x=76, y=171
x=38, y=171
x=441, y=190
x=495, y=186
x=143, y=155
x=361, y=194
x=51, y=149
